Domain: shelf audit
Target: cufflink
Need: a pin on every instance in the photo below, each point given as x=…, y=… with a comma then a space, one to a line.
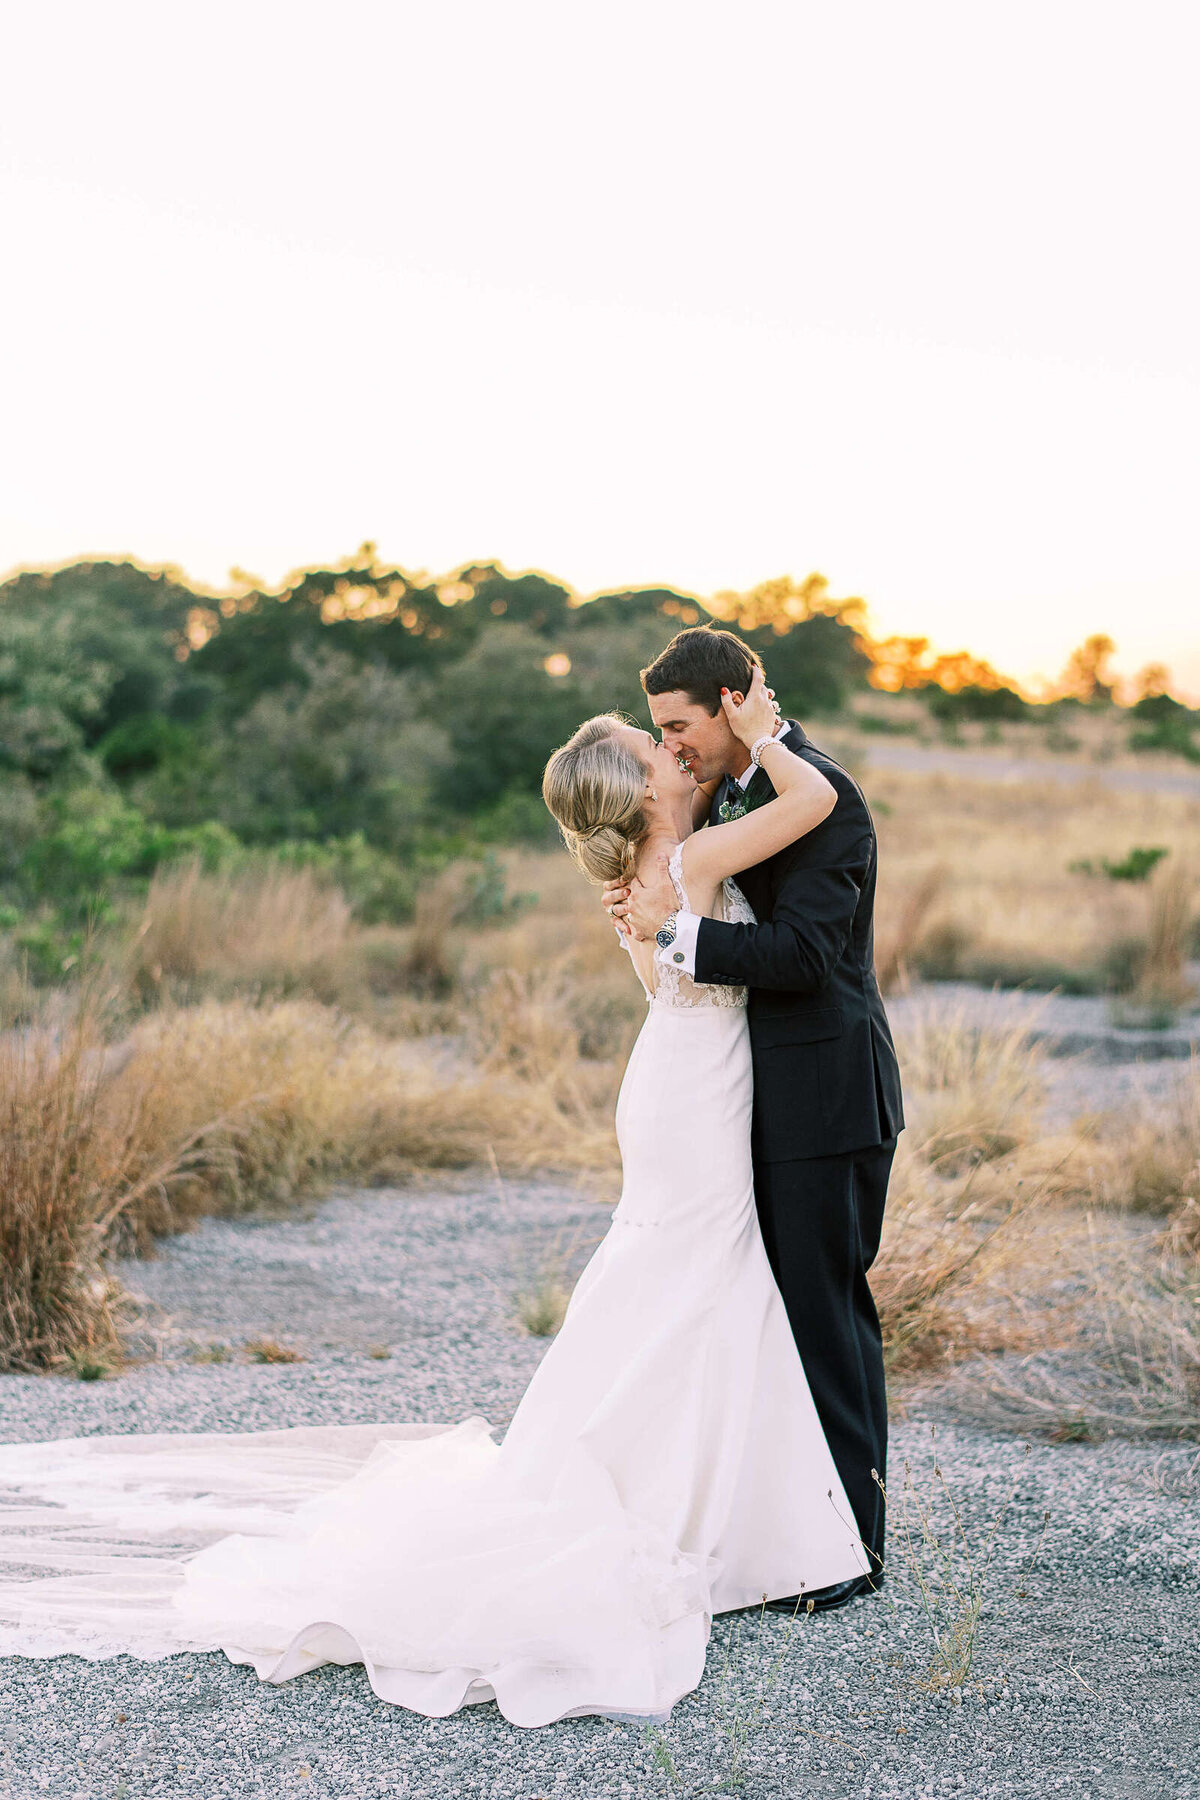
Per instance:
x=678, y=956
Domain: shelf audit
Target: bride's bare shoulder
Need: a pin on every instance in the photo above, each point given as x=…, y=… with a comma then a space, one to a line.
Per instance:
x=699, y=880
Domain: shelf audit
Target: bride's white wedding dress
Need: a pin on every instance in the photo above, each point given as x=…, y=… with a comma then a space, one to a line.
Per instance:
x=665, y=1463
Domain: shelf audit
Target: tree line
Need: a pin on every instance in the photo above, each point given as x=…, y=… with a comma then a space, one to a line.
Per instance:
x=369, y=717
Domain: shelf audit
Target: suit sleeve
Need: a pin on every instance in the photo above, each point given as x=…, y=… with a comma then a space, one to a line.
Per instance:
x=816, y=896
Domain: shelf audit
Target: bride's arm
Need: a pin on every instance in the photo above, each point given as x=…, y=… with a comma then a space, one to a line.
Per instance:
x=803, y=798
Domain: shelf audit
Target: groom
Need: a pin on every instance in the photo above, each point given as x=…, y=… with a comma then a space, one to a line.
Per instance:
x=827, y=1107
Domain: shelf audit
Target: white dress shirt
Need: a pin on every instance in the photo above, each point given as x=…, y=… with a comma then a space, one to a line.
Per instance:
x=682, y=953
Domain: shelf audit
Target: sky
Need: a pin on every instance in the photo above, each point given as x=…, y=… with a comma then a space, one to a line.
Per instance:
x=638, y=294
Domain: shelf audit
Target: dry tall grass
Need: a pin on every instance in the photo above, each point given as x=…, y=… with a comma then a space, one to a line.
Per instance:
x=976, y=878
x=1151, y=1149
x=306, y=1092
x=975, y=1090
x=265, y=929
x=1119, y=1351
x=904, y=934
x=991, y=1241
x=74, y=1159
x=224, y=1106
x=261, y=1074
x=940, y=1253
x=1162, y=987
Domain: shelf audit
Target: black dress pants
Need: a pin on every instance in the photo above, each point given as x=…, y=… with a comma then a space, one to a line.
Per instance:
x=821, y=1219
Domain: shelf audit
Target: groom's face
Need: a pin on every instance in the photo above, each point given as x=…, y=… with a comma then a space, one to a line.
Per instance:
x=704, y=743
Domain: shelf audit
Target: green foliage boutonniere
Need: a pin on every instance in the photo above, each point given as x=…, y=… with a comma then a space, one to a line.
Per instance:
x=737, y=809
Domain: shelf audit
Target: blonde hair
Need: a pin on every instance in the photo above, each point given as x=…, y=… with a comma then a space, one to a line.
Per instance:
x=596, y=788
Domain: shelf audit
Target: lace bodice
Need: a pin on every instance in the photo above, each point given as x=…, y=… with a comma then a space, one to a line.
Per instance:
x=674, y=988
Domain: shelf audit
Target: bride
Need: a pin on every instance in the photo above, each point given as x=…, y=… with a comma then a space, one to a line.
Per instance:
x=665, y=1463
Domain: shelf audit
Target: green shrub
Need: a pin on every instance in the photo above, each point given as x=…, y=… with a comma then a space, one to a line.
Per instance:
x=380, y=888
x=485, y=899
x=515, y=818
x=988, y=705
x=143, y=743
x=1139, y=865
x=878, y=724
x=1172, y=735
x=50, y=947
x=96, y=839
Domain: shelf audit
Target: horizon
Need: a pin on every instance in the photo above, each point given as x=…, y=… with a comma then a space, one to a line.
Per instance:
x=1038, y=691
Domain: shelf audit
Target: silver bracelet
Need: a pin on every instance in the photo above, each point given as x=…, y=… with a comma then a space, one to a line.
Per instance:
x=759, y=745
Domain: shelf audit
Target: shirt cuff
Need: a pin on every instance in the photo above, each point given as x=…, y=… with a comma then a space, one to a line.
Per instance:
x=682, y=953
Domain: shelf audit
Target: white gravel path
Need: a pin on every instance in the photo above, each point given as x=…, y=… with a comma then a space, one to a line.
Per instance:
x=1087, y=1672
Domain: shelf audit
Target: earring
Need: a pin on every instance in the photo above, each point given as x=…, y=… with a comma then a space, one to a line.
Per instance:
x=653, y=795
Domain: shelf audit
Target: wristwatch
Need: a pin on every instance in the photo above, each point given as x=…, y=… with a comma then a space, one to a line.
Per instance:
x=664, y=937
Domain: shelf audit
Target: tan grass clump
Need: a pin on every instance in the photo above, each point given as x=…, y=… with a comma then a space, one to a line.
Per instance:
x=906, y=925
x=292, y=1094
x=1182, y=1239
x=944, y=1253
x=1169, y=941
x=430, y=965
x=270, y=1350
x=263, y=930
x=1125, y=1359
x=974, y=1089
x=73, y=1159
x=1017, y=905
x=541, y=1309
x=1162, y=987
x=226, y=1106
x=1147, y=1152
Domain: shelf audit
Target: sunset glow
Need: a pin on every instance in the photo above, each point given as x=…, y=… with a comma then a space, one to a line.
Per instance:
x=650, y=296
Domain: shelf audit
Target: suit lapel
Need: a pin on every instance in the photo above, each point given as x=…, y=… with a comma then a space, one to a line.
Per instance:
x=759, y=789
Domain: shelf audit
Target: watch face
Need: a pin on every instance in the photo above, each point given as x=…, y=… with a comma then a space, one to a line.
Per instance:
x=665, y=937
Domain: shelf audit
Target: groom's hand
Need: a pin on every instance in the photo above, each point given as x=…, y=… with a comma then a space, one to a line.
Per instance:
x=613, y=897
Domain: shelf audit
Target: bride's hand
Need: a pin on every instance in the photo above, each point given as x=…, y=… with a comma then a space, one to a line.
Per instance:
x=756, y=716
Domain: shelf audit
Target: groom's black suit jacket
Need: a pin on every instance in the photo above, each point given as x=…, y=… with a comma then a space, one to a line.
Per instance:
x=826, y=1079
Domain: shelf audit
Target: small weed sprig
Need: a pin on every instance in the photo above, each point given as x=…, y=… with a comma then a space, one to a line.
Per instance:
x=541, y=1285
x=949, y=1574
x=739, y=1723
x=269, y=1350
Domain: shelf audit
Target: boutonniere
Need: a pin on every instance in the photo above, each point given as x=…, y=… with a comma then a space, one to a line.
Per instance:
x=737, y=809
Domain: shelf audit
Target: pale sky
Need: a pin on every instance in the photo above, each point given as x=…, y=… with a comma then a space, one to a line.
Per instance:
x=641, y=293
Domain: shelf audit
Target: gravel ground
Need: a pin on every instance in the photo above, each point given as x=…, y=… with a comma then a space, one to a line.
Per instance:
x=1086, y=1672
x=1066, y=1025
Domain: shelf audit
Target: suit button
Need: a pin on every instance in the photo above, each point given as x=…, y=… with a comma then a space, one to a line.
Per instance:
x=678, y=957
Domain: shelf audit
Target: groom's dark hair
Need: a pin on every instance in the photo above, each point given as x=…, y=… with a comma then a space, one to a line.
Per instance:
x=700, y=662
